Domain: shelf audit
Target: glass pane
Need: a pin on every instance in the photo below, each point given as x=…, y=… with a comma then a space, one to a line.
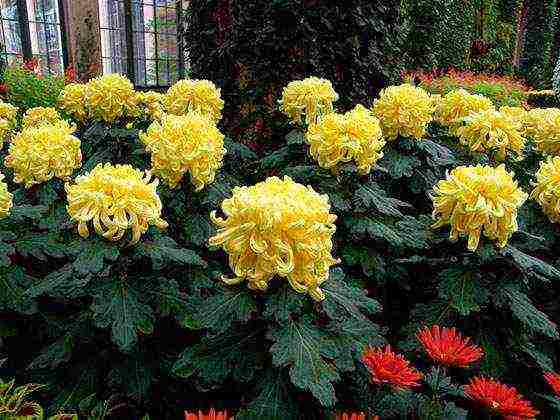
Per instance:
x=113, y=36
x=12, y=39
x=9, y=10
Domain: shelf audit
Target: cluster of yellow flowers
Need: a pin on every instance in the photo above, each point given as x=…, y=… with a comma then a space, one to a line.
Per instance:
x=355, y=135
x=458, y=104
x=37, y=116
x=194, y=95
x=277, y=227
x=543, y=126
x=492, y=130
x=39, y=154
x=151, y=104
x=5, y=199
x=115, y=199
x=312, y=97
x=186, y=143
x=517, y=113
x=72, y=100
x=8, y=115
x=546, y=191
x=404, y=110
x=475, y=200
x=110, y=97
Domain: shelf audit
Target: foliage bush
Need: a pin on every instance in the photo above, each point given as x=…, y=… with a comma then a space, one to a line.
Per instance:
x=26, y=88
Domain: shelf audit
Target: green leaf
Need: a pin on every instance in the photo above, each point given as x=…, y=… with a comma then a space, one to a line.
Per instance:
x=464, y=293
x=540, y=357
x=135, y=376
x=54, y=355
x=119, y=307
x=532, y=266
x=172, y=301
x=238, y=151
x=399, y=165
x=13, y=283
x=372, y=196
x=41, y=246
x=439, y=155
x=163, y=250
x=91, y=254
x=305, y=349
x=343, y=302
x=228, y=305
x=6, y=248
x=22, y=212
x=296, y=136
x=60, y=283
x=231, y=353
x=524, y=310
x=441, y=384
x=283, y=304
x=408, y=232
x=198, y=228
x=273, y=400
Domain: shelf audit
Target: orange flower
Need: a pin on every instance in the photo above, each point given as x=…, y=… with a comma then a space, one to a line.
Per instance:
x=388, y=367
x=500, y=399
x=448, y=347
x=553, y=380
x=212, y=415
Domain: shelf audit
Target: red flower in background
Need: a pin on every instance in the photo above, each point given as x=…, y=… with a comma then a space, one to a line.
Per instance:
x=553, y=380
x=500, y=399
x=70, y=75
x=3, y=89
x=449, y=347
x=31, y=64
x=212, y=415
x=388, y=367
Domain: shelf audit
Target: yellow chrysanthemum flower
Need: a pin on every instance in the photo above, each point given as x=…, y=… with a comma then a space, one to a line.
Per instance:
x=111, y=97
x=312, y=97
x=5, y=199
x=185, y=143
x=115, y=199
x=277, y=227
x=39, y=154
x=475, y=200
x=151, y=104
x=543, y=126
x=194, y=95
x=8, y=120
x=459, y=104
x=492, y=130
x=516, y=112
x=404, y=110
x=37, y=116
x=547, y=191
x=355, y=135
x=73, y=99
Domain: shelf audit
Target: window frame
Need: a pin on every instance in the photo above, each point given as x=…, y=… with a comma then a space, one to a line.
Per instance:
x=24, y=26
x=131, y=53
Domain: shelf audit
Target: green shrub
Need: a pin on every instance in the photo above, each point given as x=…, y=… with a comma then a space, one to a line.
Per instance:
x=27, y=89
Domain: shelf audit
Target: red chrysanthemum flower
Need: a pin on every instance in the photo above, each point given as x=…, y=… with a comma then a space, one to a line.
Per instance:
x=449, y=347
x=388, y=367
x=500, y=399
x=553, y=380
x=212, y=415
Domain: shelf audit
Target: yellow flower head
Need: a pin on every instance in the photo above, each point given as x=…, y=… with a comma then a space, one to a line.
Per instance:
x=111, y=97
x=478, y=199
x=459, y=104
x=5, y=199
x=37, y=116
x=547, y=191
x=404, y=110
x=8, y=116
x=312, y=97
x=151, y=104
x=277, y=227
x=72, y=100
x=185, y=143
x=195, y=95
x=516, y=112
x=355, y=135
x=47, y=151
x=492, y=130
x=115, y=199
x=543, y=126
